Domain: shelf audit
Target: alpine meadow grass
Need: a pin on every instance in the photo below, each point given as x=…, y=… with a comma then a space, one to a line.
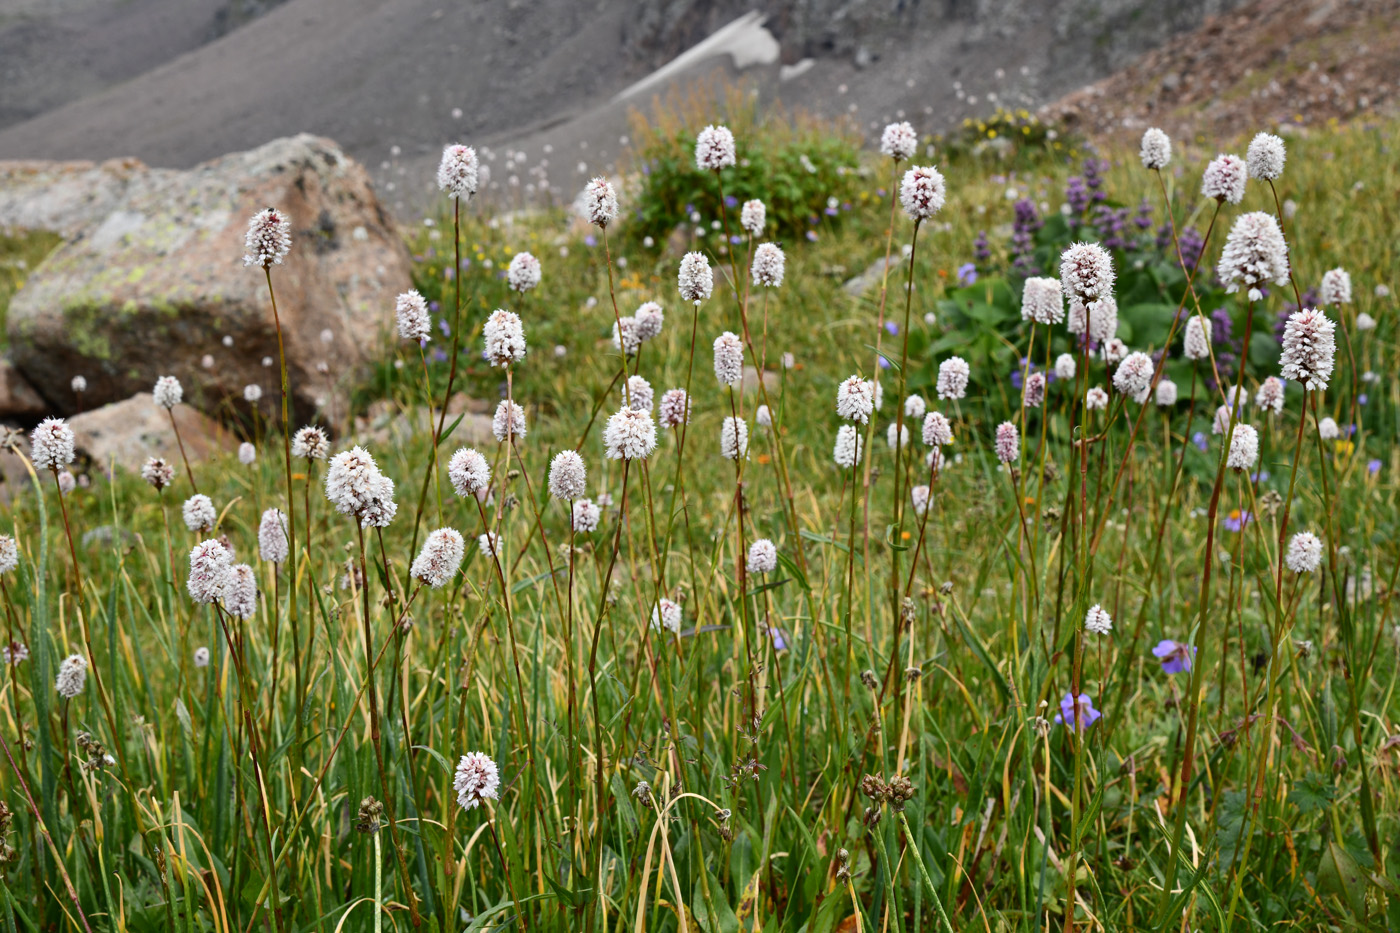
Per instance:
x=1027, y=565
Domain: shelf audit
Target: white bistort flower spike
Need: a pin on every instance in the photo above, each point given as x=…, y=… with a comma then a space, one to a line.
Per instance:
x=1304, y=552
x=51, y=444
x=953, y=374
x=1309, y=348
x=675, y=408
x=922, y=192
x=9, y=554
x=1255, y=254
x=1156, y=149
x=1086, y=272
x=437, y=563
x=469, y=472
x=504, y=338
x=1265, y=157
x=768, y=265
x=524, y=272
x=1097, y=620
x=855, y=399
x=1008, y=443
x=411, y=314
x=1065, y=366
x=763, y=556
x=168, y=392
x=1042, y=300
x=600, y=202
x=241, y=592
x=311, y=443
x=457, y=172
x=268, y=240
x=729, y=359
x=508, y=422
x=899, y=141
x=648, y=321
x=753, y=217
x=72, y=676
x=586, y=515
x=567, y=475
x=848, y=444
x=1195, y=342
x=1134, y=376
x=714, y=149
x=696, y=279
x=272, y=536
x=198, y=512
x=1336, y=287
x=938, y=431
x=1244, y=448
x=477, y=779
x=1224, y=179
x=734, y=438
x=666, y=614
x=630, y=435
x=210, y=564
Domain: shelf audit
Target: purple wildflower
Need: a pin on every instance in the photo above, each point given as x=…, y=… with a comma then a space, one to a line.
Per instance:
x=980, y=251
x=1079, y=710
x=1176, y=656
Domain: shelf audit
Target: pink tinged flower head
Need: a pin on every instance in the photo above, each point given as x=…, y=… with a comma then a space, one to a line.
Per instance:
x=477, y=779
x=241, y=592
x=1086, y=272
x=1042, y=300
x=1096, y=399
x=168, y=392
x=1065, y=366
x=1309, y=349
x=586, y=515
x=1265, y=157
x=1254, y=254
x=1166, y=393
x=66, y=482
x=1114, y=350
x=411, y=313
x=72, y=676
x=504, y=337
x=1134, y=376
x=210, y=565
x=458, y=172
x=568, y=477
x=666, y=615
x=1176, y=657
x=311, y=443
x=1033, y=394
x=382, y=508
x=508, y=422
x=1336, y=287
x=953, y=374
x=899, y=141
x=272, y=536
x=489, y=544
x=437, y=563
x=768, y=265
x=734, y=438
x=247, y=453
x=763, y=556
x=626, y=337
x=1156, y=149
x=524, y=272
x=714, y=149
x=1008, y=443
x=352, y=481
x=1304, y=553
x=938, y=431
x=268, y=240
x=729, y=359
x=1327, y=429
x=51, y=444
x=753, y=217
x=696, y=279
x=847, y=450
x=1097, y=620
x=922, y=192
x=1221, y=422
x=918, y=498
x=639, y=394
x=1195, y=342
x=675, y=408
x=198, y=512
x=855, y=399
x=915, y=407
x=9, y=554
x=1270, y=395
x=1244, y=448
x=648, y=321
x=600, y=202
x=630, y=435
x=1224, y=179
x=158, y=472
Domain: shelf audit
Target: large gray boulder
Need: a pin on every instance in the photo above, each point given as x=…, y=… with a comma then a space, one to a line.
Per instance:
x=151, y=281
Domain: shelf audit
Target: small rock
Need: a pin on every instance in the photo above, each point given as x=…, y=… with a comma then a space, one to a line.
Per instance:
x=17, y=397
